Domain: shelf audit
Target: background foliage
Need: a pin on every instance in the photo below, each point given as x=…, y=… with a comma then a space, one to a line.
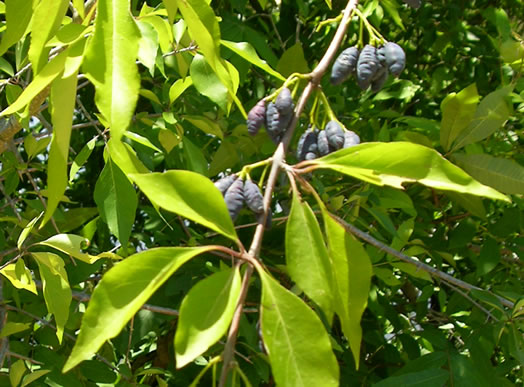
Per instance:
x=100, y=99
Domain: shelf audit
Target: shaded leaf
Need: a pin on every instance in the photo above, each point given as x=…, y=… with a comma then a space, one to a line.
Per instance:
x=491, y=113
x=205, y=314
x=57, y=292
x=116, y=200
x=120, y=294
x=457, y=112
x=433, y=377
x=299, y=348
x=188, y=194
x=207, y=82
x=502, y=174
x=352, y=273
x=293, y=61
x=307, y=258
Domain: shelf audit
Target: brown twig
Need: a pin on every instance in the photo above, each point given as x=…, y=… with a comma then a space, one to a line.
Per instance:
x=278, y=161
x=420, y=265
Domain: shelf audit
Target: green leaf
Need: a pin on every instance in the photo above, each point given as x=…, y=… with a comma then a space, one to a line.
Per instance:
x=307, y=258
x=16, y=371
x=413, y=271
x=207, y=82
x=352, y=273
x=178, y=88
x=490, y=115
x=6, y=67
x=298, y=345
x=110, y=64
x=293, y=61
x=120, y=294
x=10, y=328
x=188, y=194
x=205, y=124
x=47, y=18
x=433, y=377
x=116, y=200
x=63, y=98
x=246, y=51
x=148, y=45
x=27, y=230
x=205, y=314
x=125, y=157
x=50, y=71
x=141, y=140
x=457, y=112
x=398, y=162
x=195, y=159
x=505, y=175
x=57, y=292
x=19, y=276
x=30, y=378
x=73, y=245
x=18, y=15
x=81, y=158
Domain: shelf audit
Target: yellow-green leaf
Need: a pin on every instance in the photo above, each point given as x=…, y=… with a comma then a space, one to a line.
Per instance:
x=120, y=294
x=20, y=276
x=71, y=244
x=110, y=64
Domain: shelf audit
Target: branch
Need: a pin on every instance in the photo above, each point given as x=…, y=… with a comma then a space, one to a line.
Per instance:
x=420, y=265
x=278, y=161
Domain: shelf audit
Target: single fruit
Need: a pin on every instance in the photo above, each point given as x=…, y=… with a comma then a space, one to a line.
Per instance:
x=367, y=66
x=334, y=134
x=344, y=65
x=253, y=197
x=284, y=102
x=380, y=78
x=322, y=143
x=350, y=139
x=256, y=117
x=307, y=144
x=234, y=198
x=224, y=183
x=393, y=56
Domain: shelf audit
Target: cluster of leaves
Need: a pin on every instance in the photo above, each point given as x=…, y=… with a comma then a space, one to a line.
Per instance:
x=89, y=117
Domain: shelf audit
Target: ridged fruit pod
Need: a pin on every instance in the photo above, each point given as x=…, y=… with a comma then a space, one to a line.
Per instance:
x=224, y=183
x=344, y=65
x=284, y=102
x=253, y=197
x=322, y=143
x=367, y=66
x=256, y=117
x=334, y=134
x=380, y=78
x=307, y=144
x=393, y=56
x=350, y=139
x=234, y=198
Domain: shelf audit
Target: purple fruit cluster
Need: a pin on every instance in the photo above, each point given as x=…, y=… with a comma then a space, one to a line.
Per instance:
x=238, y=192
x=314, y=143
x=276, y=116
x=371, y=66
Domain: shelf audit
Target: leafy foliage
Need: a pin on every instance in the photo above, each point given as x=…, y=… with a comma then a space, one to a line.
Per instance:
x=393, y=261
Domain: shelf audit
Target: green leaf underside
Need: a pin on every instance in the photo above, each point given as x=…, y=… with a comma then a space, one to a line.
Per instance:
x=188, y=194
x=299, y=347
x=70, y=244
x=117, y=201
x=398, y=162
x=110, y=64
x=205, y=314
x=306, y=256
x=121, y=293
x=352, y=273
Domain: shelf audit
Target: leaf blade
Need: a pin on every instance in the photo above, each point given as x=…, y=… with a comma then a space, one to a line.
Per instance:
x=121, y=293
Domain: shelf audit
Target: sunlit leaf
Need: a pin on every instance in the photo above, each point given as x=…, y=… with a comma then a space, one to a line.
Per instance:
x=205, y=314
x=399, y=162
x=120, y=294
x=19, y=276
x=110, y=63
x=71, y=244
x=298, y=345
x=18, y=15
x=188, y=194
